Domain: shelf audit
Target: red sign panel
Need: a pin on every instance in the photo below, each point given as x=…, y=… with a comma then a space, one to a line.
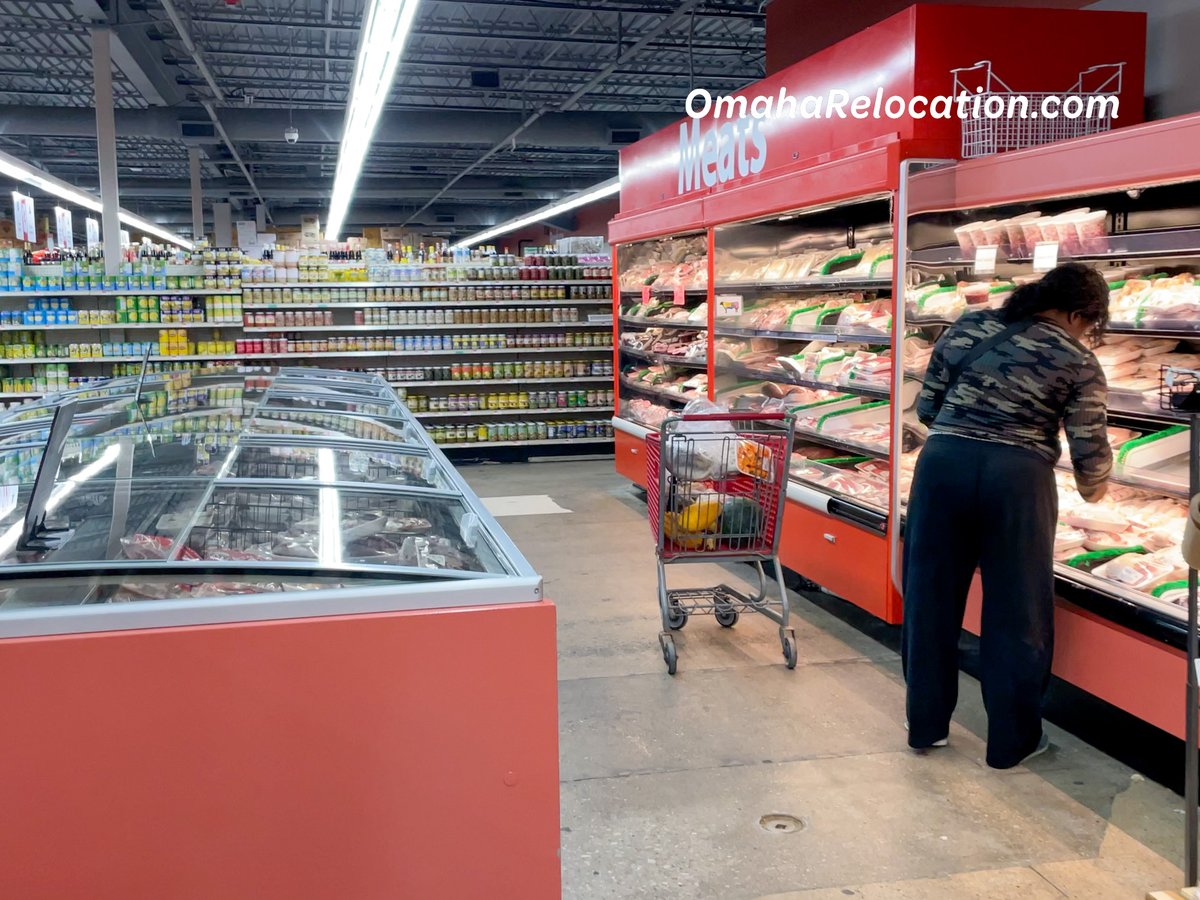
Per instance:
x=875, y=74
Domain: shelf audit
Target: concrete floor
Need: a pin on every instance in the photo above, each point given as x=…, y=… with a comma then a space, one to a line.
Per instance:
x=665, y=780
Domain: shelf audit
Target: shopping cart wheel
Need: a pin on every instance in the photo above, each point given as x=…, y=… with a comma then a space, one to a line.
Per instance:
x=678, y=616
x=726, y=615
x=788, y=639
x=670, y=657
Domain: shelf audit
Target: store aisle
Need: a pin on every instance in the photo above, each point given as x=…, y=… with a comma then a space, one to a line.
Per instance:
x=665, y=780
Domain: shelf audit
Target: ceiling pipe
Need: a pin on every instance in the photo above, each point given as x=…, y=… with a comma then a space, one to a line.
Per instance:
x=218, y=94
x=684, y=9
x=411, y=128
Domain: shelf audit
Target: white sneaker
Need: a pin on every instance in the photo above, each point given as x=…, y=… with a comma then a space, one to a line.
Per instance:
x=944, y=742
x=1043, y=745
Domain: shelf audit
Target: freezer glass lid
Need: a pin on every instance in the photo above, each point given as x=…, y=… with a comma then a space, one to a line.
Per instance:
x=332, y=424
x=93, y=518
x=335, y=382
x=327, y=527
x=320, y=401
x=291, y=528
x=348, y=464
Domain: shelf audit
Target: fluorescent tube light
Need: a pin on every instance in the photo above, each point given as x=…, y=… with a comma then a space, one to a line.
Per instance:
x=12, y=167
x=583, y=198
x=385, y=27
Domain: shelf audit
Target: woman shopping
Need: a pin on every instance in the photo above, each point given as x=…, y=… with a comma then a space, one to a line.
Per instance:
x=1000, y=387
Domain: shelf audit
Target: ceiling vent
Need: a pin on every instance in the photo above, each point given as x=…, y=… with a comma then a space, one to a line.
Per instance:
x=622, y=136
x=445, y=219
x=197, y=130
x=485, y=78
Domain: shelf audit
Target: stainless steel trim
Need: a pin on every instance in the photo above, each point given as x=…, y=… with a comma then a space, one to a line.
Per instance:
x=267, y=607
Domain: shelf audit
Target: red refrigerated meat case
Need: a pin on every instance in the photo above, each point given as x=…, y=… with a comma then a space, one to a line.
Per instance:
x=1123, y=642
x=710, y=198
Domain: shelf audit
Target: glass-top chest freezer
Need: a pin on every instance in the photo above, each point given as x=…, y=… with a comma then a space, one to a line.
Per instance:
x=228, y=495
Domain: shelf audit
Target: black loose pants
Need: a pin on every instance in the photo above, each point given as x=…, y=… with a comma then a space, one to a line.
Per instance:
x=980, y=504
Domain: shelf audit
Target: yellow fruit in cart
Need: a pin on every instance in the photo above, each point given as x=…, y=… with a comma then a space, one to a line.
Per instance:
x=701, y=516
x=674, y=530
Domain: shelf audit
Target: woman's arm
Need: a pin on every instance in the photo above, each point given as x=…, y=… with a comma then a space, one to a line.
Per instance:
x=933, y=391
x=1086, y=423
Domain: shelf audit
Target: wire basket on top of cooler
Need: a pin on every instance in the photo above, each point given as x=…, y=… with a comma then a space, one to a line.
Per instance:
x=716, y=483
x=984, y=136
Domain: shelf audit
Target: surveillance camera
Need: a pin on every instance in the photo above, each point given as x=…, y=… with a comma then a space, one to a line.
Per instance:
x=1134, y=193
x=291, y=134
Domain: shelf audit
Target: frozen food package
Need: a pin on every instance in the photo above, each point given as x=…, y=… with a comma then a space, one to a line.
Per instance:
x=145, y=546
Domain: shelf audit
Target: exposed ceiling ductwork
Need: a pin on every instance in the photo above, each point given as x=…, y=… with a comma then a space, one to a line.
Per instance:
x=230, y=80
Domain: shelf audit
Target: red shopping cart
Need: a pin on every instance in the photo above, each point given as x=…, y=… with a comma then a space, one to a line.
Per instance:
x=715, y=490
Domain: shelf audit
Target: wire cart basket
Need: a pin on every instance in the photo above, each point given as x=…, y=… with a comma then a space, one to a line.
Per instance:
x=715, y=490
x=1022, y=123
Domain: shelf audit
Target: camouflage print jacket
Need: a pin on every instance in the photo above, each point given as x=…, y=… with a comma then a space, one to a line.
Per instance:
x=1021, y=392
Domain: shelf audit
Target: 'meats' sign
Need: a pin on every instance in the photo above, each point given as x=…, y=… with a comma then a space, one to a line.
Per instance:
x=725, y=151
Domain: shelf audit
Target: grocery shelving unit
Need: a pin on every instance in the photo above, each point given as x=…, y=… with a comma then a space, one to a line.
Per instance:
x=558, y=327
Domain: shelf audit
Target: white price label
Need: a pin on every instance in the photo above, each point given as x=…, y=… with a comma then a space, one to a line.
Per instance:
x=1045, y=256
x=729, y=306
x=985, y=260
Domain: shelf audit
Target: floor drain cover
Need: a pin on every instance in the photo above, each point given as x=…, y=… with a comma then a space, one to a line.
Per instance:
x=778, y=823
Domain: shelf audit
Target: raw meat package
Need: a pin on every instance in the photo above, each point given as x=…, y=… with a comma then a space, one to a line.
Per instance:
x=1143, y=571
x=1096, y=517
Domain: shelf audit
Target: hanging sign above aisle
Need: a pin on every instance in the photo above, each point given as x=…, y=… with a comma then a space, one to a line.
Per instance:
x=63, y=227
x=92, y=227
x=23, y=217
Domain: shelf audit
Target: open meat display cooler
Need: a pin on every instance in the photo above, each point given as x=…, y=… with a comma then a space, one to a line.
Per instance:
x=230, y=583
x=797, y=213
x=1128, y=204
x=662, y=326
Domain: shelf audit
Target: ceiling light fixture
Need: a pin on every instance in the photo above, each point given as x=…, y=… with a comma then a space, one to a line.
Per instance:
x=385, y=27
x=12, y=167
x=583, y=198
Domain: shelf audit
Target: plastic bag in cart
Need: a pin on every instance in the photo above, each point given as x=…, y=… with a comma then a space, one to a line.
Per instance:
x=700, y=450
x=696, y=451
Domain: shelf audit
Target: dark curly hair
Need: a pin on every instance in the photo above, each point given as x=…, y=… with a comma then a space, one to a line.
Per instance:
x=1071, y=288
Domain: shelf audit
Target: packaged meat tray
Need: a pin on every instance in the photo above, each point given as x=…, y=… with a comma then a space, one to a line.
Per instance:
x=1143, y=571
